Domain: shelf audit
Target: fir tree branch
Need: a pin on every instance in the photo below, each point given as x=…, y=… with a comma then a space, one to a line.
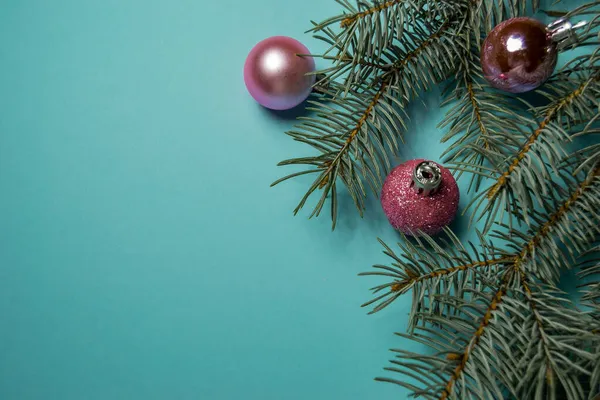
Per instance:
x=357, y=133
x=477, y=120
x=407, y=277
x=351, y=137
x=373, y=28
x=553, y=350
x=494, y=349
x=551, y=114
x=548, y=344
x=490, y=358
x=559, y=214
x=363, y=63
x=463, y=358
x=521, y=171
x=477, y=114
x=538, y=318
x=431, y=60
x=375, y=8
x=498, y=325
x=480, y=116
x=567, y=350
x=400, y=286
x=563, y=230
x=430, y=269
x=336, y=143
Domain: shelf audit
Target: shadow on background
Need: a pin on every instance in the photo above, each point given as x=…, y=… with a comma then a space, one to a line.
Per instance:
x=285, y=115
x=460, y=225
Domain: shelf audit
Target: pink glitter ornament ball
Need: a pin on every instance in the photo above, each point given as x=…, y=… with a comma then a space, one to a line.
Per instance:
x=421, y=196
x=275, y=74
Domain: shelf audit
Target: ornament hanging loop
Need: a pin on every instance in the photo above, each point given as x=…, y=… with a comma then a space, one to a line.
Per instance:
x=564, y=33
x=427, y=178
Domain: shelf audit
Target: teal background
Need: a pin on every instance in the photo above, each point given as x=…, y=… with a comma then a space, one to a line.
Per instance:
x=142, y=253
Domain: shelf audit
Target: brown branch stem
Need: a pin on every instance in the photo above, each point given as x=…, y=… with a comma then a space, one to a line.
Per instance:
x=517, y=262
x=447, y=271
x=353, y=133
x=538, y=319
x=476, y=110
x=400, y=64
x=359, y=62
x=485, y=321
x=346, y=22
x=384, y=82
x=544, y=230
x=550, y=115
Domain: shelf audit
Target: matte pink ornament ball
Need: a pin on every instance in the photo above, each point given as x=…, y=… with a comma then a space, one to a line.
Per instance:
x=409, y=207
x=275, y=74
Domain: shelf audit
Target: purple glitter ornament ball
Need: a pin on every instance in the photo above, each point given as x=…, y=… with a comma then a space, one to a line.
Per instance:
x=275, y=74
x=421, y=196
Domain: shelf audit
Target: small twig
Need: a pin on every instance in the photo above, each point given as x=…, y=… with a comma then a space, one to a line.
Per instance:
x=544, y=230
x=550, y=116
x=398, y=286
x=346, y=22
x=485, y=321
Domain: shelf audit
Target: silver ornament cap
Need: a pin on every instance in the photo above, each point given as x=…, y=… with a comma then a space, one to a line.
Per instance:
x=564, y=33
x=427, y=178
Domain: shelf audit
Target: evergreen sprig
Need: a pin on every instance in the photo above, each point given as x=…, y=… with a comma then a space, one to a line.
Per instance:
x=490, y=312
x=482, y=126
x=384, y=54
x=571, y=110
x=558, y=236
x=353, y=136
x=518, y=339
x=360, y=38
x=355, y=130
x=525, y=339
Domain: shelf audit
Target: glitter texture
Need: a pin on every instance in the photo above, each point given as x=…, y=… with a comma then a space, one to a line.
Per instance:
x=411, y=212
